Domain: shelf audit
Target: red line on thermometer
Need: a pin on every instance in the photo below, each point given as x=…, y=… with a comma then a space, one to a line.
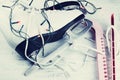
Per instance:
x=113, y=49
